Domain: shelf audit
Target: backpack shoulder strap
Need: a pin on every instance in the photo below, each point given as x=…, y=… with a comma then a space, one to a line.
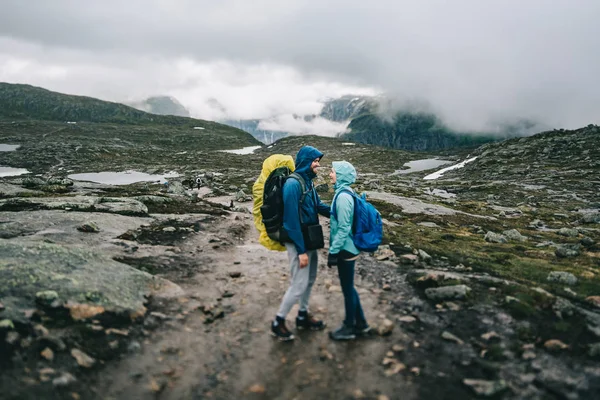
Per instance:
x=305, y=191
x=351, y=193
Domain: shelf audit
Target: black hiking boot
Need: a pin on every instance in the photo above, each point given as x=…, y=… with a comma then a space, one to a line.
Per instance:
x=280, y=331
x=362, y=329
x=306, y=321
x=343, y=333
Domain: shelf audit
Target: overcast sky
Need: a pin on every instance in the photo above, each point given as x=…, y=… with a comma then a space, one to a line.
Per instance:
x=474, y=62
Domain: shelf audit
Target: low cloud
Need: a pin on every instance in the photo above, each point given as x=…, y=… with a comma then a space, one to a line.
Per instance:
x=475, y=63
x=300, y=126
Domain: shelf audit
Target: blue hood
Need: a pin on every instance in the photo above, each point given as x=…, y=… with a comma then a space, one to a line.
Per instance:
x=345, y=174
x=306, y=155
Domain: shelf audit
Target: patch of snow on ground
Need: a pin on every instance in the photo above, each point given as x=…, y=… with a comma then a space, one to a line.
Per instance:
x=243, y=151
x=441, y=172
x=8, y=171
x=348, y=144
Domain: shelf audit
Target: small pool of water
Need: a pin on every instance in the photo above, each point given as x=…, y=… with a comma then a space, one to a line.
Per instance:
x=243, y=151
x=422, y=165
x=9, y=147
x=8, y=171
x=122, y=178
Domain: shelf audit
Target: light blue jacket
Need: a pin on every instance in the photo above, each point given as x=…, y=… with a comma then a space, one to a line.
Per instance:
x=341, y=224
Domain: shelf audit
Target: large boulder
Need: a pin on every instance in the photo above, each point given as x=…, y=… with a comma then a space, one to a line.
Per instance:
x=116, y=205
x=85, y=281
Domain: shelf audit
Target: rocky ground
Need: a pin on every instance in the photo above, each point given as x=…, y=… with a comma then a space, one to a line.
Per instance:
x=487, y=285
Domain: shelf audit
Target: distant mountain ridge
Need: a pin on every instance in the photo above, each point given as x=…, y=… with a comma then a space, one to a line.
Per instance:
x=20, y=101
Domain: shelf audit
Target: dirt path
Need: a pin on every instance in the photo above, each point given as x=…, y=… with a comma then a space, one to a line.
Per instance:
x=234, y=356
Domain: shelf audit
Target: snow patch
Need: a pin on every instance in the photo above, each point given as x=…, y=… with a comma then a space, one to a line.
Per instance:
x=441, y=172
x=242, y=151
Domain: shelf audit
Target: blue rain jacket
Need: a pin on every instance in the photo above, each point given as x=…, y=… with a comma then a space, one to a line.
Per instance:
x=312, y=205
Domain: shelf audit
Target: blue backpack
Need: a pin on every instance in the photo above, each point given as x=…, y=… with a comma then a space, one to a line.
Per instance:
x=367, y=226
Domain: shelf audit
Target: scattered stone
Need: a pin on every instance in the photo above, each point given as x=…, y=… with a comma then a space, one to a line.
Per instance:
x=495, y=237
x=568, y=232
x=386, y=287
x=416, y=371
x=486, y=388
x=570, y=292
x=358, y=394
x=12, y=338
x=491, y=337
x=257, y=388
x=84, y=311
x=528, y=355
x=235, y=274
x=542, y=291
x=563, y=277
x=169, y=229
x=567, y=250
x=514, y=235
x=448, y=292
x=83, y=360
x=395, y=368
x=66, y=379
x=6, y=324
x=158, y=385
x=385, y=328
x=89, y=227
x=424, y=256
x=40, y=330
x=134, y=347
x=451, y=306
x=408, y=259
x=407, y=319
x=587, y=241
x=397, y=348
x=334, y=289
x=324, y=354
x=382, y=397
x=48, y=354
x=594, y=350
x=451, y=338
x=594, y=300
x=555, y=345
x=46, y=297
x=591, y=217
x=385, y=253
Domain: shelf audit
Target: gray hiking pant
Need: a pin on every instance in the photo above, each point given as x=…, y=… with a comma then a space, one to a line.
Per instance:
x=301, y=281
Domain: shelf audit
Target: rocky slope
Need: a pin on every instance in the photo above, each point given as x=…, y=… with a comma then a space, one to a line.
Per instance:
x=487, y=285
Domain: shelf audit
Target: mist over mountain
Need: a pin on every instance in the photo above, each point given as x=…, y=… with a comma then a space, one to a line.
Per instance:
x=162, y=105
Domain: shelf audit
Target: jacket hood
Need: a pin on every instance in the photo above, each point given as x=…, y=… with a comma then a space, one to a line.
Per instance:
x=306, y=155
x=345, y=174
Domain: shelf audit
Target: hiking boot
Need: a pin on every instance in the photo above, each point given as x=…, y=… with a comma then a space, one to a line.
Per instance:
x=280, y=331
x=362, y=329
x=309, y=322
x=343, y=333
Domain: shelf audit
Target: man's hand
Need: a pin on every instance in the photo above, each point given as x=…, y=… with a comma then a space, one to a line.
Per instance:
x=303, y=260
x=332, y=259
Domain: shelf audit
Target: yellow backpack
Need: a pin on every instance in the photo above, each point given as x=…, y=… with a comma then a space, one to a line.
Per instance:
x=269, y=165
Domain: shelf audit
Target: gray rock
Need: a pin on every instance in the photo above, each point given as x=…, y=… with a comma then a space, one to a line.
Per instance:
x=134, y=347
x=408, y=259
x=66, y=379
x=494, y=237
x=451, y=338
x=563, y=307
x=176, y=187
x=514, y=235
x=486, y=388
x=48, y=269
x=46, y=297
x=424, y=256
x=241, y=197
x=587, y=241
x=116, y=205
x=568, y=232
x=567, y=250
x=594, y=350
x=448, y=292
x=591, y=217
x=563, y=277
x=90, y=227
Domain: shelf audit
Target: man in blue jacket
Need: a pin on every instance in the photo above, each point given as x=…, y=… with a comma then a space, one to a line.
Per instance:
x=301, y=206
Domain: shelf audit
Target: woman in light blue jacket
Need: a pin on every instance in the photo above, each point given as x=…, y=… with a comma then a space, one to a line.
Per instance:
x=343, y=252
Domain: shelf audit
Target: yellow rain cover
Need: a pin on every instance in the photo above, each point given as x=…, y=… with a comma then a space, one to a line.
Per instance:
x=269, y=165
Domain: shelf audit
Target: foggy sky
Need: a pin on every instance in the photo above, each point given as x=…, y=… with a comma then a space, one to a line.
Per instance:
x=473, y=62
